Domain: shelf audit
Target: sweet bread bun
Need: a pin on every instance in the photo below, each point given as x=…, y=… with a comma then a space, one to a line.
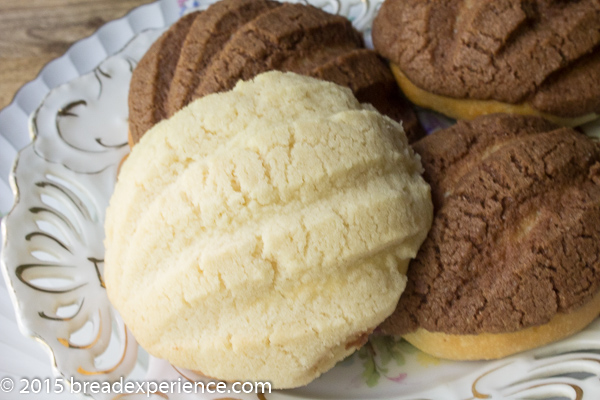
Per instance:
x=471, y=108
x=210, y=51
x=511, y=261
x=489, y=346
x=469, y=58
x=261, y=234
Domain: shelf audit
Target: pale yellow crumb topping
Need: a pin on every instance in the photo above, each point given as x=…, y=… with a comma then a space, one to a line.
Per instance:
x=258, y=233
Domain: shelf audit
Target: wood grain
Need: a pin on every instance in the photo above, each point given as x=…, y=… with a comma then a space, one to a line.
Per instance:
x=33, y=32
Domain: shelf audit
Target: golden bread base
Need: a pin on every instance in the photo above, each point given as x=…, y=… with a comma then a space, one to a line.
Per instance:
x=487, y=346
x=469, y=108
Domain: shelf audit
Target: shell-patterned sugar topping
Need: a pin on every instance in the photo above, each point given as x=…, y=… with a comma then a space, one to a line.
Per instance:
x=262, y=233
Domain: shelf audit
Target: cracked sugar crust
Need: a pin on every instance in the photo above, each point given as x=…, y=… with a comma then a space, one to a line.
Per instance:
x=210, y=51
x=516, y=232
x=541, y=52
x=259, y=233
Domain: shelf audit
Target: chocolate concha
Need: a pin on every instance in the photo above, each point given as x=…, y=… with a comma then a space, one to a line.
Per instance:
x=516, y=232
x=545, y=54
x=210, y=51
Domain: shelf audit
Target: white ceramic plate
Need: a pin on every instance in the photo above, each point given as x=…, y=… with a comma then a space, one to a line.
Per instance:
x=53, y=253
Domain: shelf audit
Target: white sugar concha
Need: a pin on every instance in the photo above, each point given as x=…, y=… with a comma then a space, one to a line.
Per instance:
x=262, y=233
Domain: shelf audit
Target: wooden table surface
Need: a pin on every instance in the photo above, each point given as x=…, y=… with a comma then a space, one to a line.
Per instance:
x=33, y=32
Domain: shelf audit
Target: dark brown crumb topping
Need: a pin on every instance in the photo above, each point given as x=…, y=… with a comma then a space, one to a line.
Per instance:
x=516, y=233
x=513, y=51
x=210, y=51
